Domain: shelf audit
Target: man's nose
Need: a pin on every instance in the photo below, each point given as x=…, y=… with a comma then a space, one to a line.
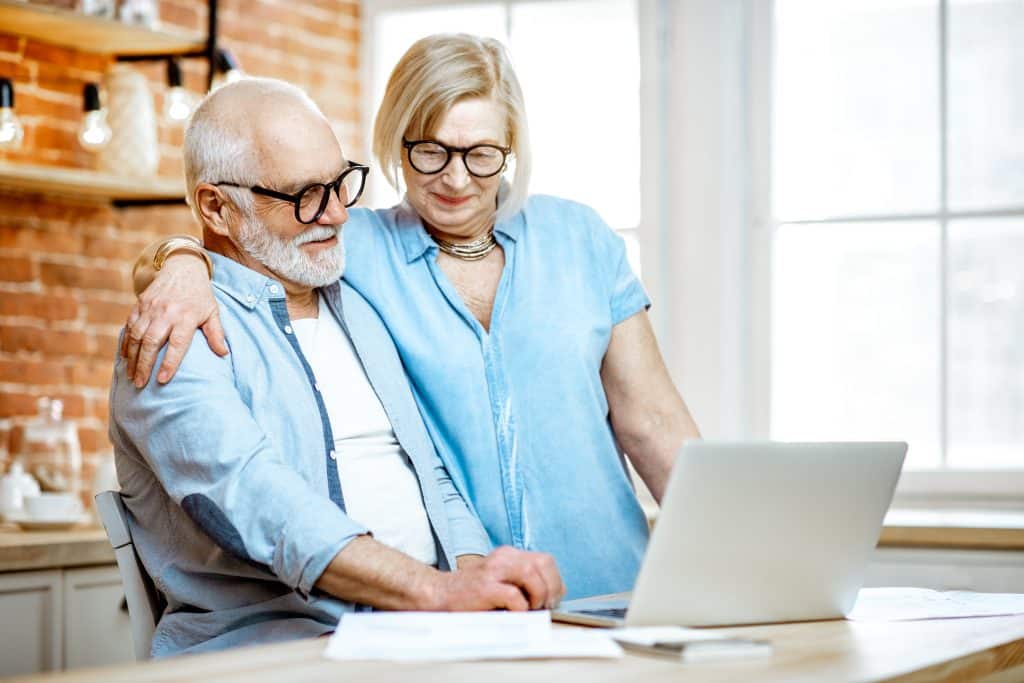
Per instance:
x=335, y=212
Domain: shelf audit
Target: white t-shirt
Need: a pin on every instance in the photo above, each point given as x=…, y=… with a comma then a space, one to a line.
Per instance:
x=378, y=484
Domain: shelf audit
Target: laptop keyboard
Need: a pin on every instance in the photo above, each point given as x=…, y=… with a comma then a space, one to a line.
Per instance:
x=614, y=612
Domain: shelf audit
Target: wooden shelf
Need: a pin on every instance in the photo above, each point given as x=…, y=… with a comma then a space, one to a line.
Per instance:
x=86, y=184
x=89, y=34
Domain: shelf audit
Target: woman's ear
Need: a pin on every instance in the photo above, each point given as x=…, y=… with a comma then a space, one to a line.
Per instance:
x=213, y=208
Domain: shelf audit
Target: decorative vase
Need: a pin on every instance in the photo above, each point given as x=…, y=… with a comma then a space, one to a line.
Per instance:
x=133, y=148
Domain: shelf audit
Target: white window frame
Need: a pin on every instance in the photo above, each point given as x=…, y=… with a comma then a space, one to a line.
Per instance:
x=932, y=488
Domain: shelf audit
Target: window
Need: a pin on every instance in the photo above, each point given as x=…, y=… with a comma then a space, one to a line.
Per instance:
x=897, y=191
x=582, y=98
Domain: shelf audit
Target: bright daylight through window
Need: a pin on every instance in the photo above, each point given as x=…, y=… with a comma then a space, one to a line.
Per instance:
x=898, y=256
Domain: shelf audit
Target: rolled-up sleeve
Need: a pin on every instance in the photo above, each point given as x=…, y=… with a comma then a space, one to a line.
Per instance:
x=626, y=294
x=212, y=457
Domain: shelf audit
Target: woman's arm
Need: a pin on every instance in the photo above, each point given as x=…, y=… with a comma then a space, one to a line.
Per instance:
x=648, y=415
x=173, y=302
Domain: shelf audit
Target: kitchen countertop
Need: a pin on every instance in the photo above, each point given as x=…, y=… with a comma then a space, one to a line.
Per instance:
x=954, y=529
x=28, y=550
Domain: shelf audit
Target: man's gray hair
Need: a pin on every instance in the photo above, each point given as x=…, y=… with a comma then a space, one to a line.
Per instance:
x=219, y=145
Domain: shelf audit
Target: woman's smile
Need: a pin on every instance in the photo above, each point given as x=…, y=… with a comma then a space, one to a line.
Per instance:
x=448, y=200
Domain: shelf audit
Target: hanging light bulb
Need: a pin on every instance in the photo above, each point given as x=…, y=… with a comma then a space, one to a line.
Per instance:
x=227, y=69
x=94, y=132
x=177, y=100
x=11, y=132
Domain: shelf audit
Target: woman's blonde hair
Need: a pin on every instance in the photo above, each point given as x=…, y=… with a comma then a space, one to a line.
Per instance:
x=434, y=74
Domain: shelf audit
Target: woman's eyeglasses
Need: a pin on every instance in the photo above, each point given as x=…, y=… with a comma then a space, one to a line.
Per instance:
x=430, y=156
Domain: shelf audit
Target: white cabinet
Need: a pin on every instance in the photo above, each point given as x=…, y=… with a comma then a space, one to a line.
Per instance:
x=62, y=619
x=96, y=628
x=31, y=623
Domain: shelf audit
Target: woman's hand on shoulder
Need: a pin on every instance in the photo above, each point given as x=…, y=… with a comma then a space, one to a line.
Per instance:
x=178, y=302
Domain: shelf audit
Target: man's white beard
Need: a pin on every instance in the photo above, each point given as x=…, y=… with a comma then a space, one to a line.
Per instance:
x=286, y=259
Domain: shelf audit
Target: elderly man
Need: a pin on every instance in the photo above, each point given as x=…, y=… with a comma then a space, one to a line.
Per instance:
x=277, y=487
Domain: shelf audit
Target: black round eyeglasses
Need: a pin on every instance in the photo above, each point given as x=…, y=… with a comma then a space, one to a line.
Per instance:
x=311, y=201
x=430, y=156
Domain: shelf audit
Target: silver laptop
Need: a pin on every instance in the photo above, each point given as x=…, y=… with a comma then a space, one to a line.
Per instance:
x=755, y=533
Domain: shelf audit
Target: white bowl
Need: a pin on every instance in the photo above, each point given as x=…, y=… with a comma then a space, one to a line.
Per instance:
x=53, y=507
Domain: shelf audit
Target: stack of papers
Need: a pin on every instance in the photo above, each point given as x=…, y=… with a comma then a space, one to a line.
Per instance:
x=905, y=604
x=438, y=636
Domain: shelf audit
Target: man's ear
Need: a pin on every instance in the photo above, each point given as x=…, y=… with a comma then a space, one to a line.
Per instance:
x=213, y=208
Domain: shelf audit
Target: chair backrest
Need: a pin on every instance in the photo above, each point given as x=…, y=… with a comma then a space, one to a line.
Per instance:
x=145, y=604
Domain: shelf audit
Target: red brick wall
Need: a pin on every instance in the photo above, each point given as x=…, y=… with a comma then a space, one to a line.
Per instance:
x=64, y=265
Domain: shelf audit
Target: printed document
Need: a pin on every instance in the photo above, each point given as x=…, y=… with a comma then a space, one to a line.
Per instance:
x=436, y=636
x=905, y=604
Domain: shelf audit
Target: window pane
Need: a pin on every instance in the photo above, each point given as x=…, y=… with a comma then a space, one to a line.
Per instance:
x=855, y=345
x=393, y=34
x=582, y=89
x=856, y=108
x=986, y=104
x=986, y=344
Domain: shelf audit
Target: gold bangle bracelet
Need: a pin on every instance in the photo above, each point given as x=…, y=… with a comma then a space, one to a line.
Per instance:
x=182, y=243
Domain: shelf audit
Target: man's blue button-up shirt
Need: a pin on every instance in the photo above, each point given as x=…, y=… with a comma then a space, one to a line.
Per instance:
x=230, y=478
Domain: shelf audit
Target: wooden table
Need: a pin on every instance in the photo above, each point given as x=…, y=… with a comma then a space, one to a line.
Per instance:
x=938, y=650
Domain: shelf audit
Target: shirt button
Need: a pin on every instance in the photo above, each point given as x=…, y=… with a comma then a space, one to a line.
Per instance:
x=287, y=329
x=250, y=299
x=334, y=455
x=274, y=289
x=317, y=387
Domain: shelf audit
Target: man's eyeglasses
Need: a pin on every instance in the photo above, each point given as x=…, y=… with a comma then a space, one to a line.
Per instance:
x=311, y=201
x=430, y=156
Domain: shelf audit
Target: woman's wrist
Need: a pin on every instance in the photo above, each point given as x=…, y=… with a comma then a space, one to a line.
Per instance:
x=178, y=244
x=155, y=256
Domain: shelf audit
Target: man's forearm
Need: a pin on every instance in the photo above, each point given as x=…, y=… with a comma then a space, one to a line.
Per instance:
x=371, y=573
x=368, y=572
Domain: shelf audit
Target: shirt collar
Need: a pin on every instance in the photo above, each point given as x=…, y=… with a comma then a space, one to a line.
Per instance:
x=243, y=284
x=417, y=241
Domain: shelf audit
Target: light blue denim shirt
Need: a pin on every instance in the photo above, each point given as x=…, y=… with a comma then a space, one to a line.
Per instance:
x=519, y=414
x=230, y=479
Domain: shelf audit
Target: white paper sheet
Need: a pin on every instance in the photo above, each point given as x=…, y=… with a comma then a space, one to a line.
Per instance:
x=437, y=636
x=906, y=604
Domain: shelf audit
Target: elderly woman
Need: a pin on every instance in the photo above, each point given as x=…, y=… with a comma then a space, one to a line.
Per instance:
x=523, y=330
